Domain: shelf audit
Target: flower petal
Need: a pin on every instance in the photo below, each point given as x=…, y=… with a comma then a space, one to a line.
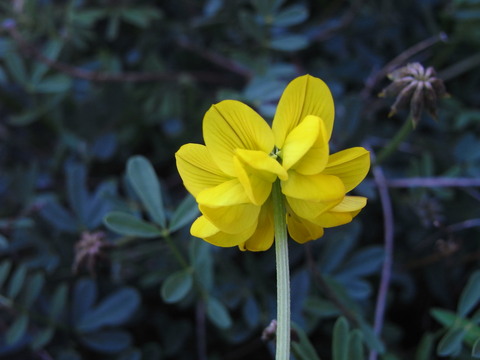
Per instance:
x=350, y=165
x=316, y=158
x=228, y=193
x=232, y=219
x=231, y=125
x=256, y=188
x=299, y=141
x=256, y=171
x=197, y=168
x=302, y=230
x=204, y=229
x=343, y=213
x=262, y=164
x=305, y=95
x=317, y=187
x=351, y=203
x=262, y=238
x=331, y=219
x=310, y=209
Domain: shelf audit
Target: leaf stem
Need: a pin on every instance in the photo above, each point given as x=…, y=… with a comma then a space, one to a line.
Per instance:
x=398, y=138
x=283, y=274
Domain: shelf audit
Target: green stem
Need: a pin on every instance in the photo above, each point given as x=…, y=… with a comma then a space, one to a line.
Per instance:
x=283, y=274
x=176, y=253
x=393, y=145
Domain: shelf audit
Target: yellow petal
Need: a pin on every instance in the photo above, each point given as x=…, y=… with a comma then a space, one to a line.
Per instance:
x=305, y=95
x=310, y=209
x=343, y=213
x=351, y=203
x=331, y=219
x=204, y=229
x=350, y=165
x=231, y=125
x=262, y=164
x=256, y=188
x=316, y=158
x=317, y=187
x=197, y=168
x=299, y=141
x=302, y=230
x=232, y=219
x=228, y=193
x=256, y=171
x=262, y=238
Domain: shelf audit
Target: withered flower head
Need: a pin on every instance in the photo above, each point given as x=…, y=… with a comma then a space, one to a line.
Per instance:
x=416, y=87
x=89, y=249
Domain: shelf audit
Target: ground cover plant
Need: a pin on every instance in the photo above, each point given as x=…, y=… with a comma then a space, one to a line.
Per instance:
x=97, y=259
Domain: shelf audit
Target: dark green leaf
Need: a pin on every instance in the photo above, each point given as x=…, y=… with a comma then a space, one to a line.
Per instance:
x=303, y=349
x=334, y=253
x=201, y=258
x=51, y=51
x=289, y=43
x=425, y=348
x=107, y=341
x=5, y=268
x=355, y=347
x=3, y=242
x=58, y=302
x=340, y=339
x=470, y=295
x=218, y=314
x=17, y=330
x=113, y=310
x=57, y=216
x=251, y=312
x=176, y=286
x=54, y=84
x=42, y=338
x=476, y=349
x=145, y=182
x=365, y=262
x=84, y=297
x=16, y=281
x=140, y=17
x=185, y=213
x=131, y=355
x=370, y=337
x=129, y=225
x=451, y=342
x=292, y=15
x=100, y=204
x=76, y=189
x=34, y=287
x=16, y=68
x=321, y=308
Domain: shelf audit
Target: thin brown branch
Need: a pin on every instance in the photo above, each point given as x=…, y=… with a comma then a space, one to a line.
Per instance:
x=344, y=21
x=432, y=182
x=388, y=224
x=29, y=49
x=217, y=59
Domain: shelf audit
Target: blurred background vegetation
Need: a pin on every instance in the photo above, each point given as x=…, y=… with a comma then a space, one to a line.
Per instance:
x=96, y=260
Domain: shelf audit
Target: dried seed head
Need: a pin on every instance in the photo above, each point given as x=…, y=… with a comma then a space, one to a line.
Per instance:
x=89, y=249
x=415, y=87
x=270, y=331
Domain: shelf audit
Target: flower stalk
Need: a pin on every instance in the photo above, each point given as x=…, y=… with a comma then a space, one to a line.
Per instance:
x=393, y=145
x=283, y=274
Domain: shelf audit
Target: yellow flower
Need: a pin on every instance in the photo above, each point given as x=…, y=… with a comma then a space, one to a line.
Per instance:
x=231, y=176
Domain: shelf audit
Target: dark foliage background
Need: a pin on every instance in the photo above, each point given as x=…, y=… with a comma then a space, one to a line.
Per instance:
x=96, y=260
